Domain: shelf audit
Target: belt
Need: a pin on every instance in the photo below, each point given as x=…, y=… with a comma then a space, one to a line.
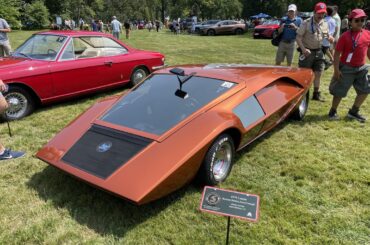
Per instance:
x=288, y=41
x=315, y=50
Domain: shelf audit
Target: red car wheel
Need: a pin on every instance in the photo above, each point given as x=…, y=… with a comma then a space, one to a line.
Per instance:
x=20, y=103
x=138, y=75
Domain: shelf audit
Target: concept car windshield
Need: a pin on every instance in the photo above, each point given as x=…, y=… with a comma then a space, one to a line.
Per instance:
x=153, y=107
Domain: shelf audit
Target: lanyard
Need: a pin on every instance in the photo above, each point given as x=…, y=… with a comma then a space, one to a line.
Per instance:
x=312, y=26
x=355, y=42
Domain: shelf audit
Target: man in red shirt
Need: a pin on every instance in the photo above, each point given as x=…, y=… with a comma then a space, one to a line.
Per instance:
x=350, y=66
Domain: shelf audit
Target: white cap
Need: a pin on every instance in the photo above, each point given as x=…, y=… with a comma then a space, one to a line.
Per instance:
x=292, y=7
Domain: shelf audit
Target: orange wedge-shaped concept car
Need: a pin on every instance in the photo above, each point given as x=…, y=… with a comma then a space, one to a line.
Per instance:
x=176, y=123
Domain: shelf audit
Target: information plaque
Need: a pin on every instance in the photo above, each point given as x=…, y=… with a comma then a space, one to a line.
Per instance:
x=230, y=203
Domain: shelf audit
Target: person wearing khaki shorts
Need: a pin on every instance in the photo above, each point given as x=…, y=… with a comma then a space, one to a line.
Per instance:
x=4, y=40
x=309, y=38
x=288, y=29
x=349, y=66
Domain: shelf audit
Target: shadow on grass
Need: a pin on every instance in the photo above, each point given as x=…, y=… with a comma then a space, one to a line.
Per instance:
x=107, y=214
x=83, y=98
x=314, y=118
x=104, y=213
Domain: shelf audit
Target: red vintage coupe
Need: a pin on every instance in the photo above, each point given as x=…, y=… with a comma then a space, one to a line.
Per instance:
x=268, y=29
x=178, y=122
x=58, y=65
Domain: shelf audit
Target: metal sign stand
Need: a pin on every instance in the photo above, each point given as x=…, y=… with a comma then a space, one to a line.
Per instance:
x=10, y=131
x=228, y=230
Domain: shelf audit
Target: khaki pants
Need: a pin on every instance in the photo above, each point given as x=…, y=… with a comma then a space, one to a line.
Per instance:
x=5, y=49
x=285, y=50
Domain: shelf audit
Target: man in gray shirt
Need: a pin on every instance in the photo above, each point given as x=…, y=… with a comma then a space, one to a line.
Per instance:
x=4, y=40
x=116, y=27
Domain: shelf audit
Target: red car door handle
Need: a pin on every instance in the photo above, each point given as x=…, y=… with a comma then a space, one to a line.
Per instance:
x=108, y=63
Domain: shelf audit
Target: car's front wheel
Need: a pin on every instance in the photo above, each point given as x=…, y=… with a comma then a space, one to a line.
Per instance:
x=300, y=111
x=20, y=103
x=218, y=161
x=211, y=32
x=138, y=75
x=238, y=31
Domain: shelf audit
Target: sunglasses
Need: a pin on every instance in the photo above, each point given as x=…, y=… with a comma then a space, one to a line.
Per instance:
x=359, y=20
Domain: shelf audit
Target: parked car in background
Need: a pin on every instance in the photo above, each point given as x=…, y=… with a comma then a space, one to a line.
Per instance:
x=205, y=24
x=305, y=15
x=141, y=25
x=186, y=23
x=223, y=27
x=58, y=65
x=268, y=29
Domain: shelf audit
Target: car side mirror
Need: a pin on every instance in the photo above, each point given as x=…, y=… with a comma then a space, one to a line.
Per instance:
x=178, y=71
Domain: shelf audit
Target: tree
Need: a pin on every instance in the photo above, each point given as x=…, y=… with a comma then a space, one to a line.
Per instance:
x=36, y=15
x=9, y=10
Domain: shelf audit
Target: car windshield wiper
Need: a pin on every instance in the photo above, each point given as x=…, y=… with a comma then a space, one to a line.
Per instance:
x=23, y=54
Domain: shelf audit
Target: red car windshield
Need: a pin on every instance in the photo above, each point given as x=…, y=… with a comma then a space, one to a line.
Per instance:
x=41, y=47
x=157, y=104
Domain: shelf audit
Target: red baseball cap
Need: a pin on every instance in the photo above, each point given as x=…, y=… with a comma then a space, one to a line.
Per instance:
x=357, y=13
x=320, y=8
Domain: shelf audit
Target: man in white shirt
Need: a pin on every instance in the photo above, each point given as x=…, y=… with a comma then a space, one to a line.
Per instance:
x=338, y=22
x=116, y=27
x=4, y=40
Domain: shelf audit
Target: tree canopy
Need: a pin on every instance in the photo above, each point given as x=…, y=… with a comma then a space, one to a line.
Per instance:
x=38, y=12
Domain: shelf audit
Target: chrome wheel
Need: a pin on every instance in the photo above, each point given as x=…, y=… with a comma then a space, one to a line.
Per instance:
x=218, y=161
x=18, y=105
x=303, y=107
x=222, y=161
x=138, y=75
x=300, y=110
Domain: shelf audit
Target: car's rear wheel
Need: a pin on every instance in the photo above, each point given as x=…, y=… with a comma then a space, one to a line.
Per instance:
x=238, y=31
x=138, y=75
x=20, y=103
x=211, y=32
x=300, y=111
x=218, y=161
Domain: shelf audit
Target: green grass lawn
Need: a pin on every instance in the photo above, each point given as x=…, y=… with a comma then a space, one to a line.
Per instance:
x=313, y=177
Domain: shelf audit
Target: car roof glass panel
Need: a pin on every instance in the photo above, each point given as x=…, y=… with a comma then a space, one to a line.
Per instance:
x=153, y=107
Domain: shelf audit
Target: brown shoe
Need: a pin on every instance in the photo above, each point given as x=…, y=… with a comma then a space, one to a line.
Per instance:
x=317, y=96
